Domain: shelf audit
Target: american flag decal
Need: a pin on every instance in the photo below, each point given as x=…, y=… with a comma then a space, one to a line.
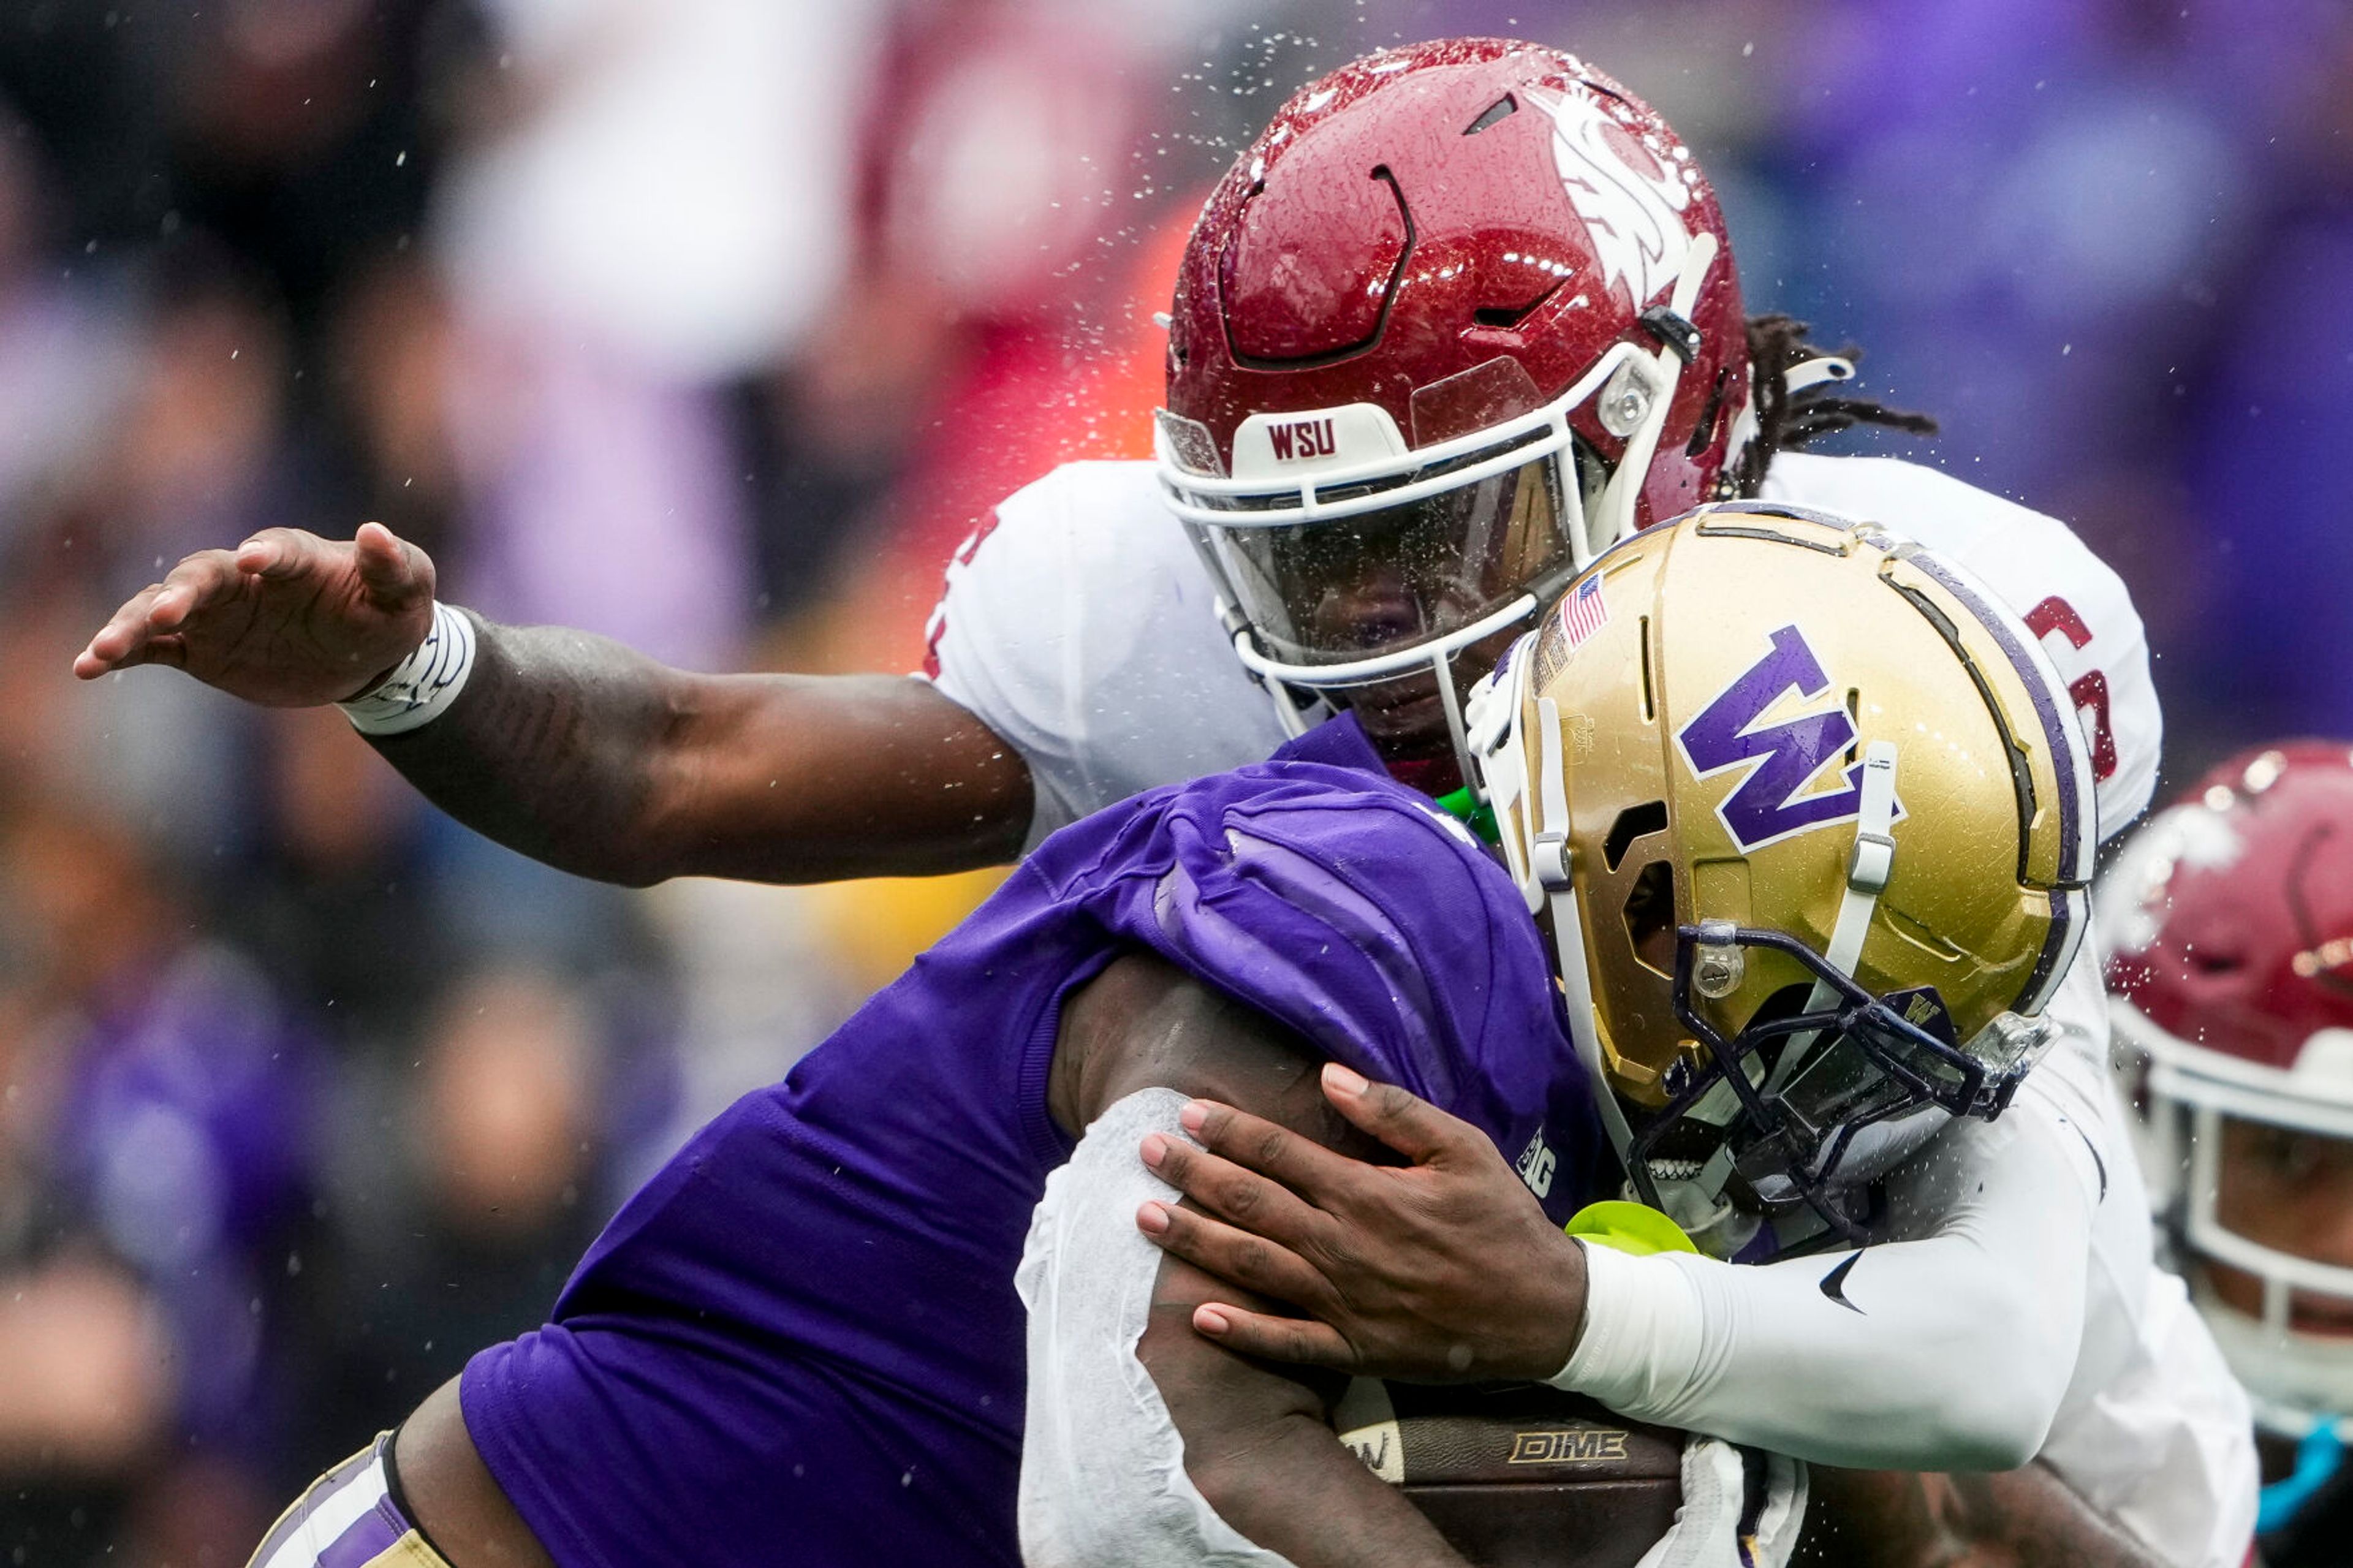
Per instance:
x=1584, y=612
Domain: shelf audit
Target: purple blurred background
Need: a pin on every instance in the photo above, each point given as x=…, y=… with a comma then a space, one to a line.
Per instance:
x=714, y=325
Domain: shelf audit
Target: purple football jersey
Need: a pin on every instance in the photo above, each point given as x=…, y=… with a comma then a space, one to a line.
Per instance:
x=800, y=1343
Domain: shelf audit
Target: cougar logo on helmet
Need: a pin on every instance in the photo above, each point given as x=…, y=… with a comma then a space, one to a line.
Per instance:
x=1632, y=203
x=1781, y=758
x=1418, y=375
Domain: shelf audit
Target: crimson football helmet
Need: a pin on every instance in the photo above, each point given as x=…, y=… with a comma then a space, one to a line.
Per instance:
x=2229, y=920
x=1461, y=318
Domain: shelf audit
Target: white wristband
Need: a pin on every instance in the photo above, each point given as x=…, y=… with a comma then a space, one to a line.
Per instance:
x=1642, y=1332
x=421, y=685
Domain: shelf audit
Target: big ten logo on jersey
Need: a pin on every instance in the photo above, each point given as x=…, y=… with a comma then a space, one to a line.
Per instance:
x=1536, y=1164
x=1576, y=1445
x=1302, y=439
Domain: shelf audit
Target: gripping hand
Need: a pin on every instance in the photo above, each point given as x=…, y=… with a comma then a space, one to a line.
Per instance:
x=1441, y=1269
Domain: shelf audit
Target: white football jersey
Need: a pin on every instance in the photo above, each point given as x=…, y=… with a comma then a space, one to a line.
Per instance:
x=1078, y=624
x=2066, y=596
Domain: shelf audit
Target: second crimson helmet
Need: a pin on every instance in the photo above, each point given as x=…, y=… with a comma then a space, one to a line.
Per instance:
x=1461, y=317
x=2231, y=922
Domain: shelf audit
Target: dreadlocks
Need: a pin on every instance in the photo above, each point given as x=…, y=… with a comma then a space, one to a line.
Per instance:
x=1787, y=421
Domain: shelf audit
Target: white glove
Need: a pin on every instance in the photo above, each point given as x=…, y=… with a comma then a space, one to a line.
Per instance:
x=1715, y=1528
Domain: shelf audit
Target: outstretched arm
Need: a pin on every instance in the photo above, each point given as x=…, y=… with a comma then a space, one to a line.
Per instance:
x=1149, y=1445
x=578, y=752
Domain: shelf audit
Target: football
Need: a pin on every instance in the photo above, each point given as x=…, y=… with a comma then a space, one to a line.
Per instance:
x=1519, y=1475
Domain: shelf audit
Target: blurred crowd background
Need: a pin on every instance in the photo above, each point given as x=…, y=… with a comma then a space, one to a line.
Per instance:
x=715, y=325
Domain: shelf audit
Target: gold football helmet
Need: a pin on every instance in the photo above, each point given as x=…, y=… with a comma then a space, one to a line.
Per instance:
x=1812, y=823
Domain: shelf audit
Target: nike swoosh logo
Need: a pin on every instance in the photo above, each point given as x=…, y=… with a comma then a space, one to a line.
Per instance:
x=1834, y=1282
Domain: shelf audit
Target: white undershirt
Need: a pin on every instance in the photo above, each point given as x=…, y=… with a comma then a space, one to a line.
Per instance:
x=1102, y=1466
x=1949, y=1351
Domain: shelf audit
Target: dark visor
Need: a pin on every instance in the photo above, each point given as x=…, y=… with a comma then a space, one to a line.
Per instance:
x=1347, y=588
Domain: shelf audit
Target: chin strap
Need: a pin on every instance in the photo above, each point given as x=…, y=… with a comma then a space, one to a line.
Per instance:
x=1697, y=1201
x=1702, y=1212
x=1295, y=719
x=1458, y=734
x=1866, y=878
x=1548, y=857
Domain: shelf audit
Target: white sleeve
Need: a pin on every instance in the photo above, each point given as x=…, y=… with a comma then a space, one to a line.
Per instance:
x=1102, y=1466
x=1079, y=624
x=1950, y=1348
x=1946, y=1352
x=991, y=649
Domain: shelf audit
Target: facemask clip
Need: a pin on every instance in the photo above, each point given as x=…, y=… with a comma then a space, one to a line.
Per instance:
x=1625, y=401
x=1717, y=968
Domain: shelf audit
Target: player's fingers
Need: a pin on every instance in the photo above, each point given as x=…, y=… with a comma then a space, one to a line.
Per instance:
x=1298, y=1339
x=280, y=553
x=394, y=572
x=1241, y=1196
x=1236, y=1257
x=195, y=582
x=1410, y=1125
x=167, y=648
x=120, y=636
x=1303, y=1166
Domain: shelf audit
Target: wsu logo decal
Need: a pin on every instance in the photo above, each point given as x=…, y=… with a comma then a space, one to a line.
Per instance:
x=1781, y=758
x=1303, y=438
x=1632, y=203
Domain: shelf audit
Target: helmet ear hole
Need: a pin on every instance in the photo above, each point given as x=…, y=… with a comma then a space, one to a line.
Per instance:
x=1634, y=822
x=1649, y=916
